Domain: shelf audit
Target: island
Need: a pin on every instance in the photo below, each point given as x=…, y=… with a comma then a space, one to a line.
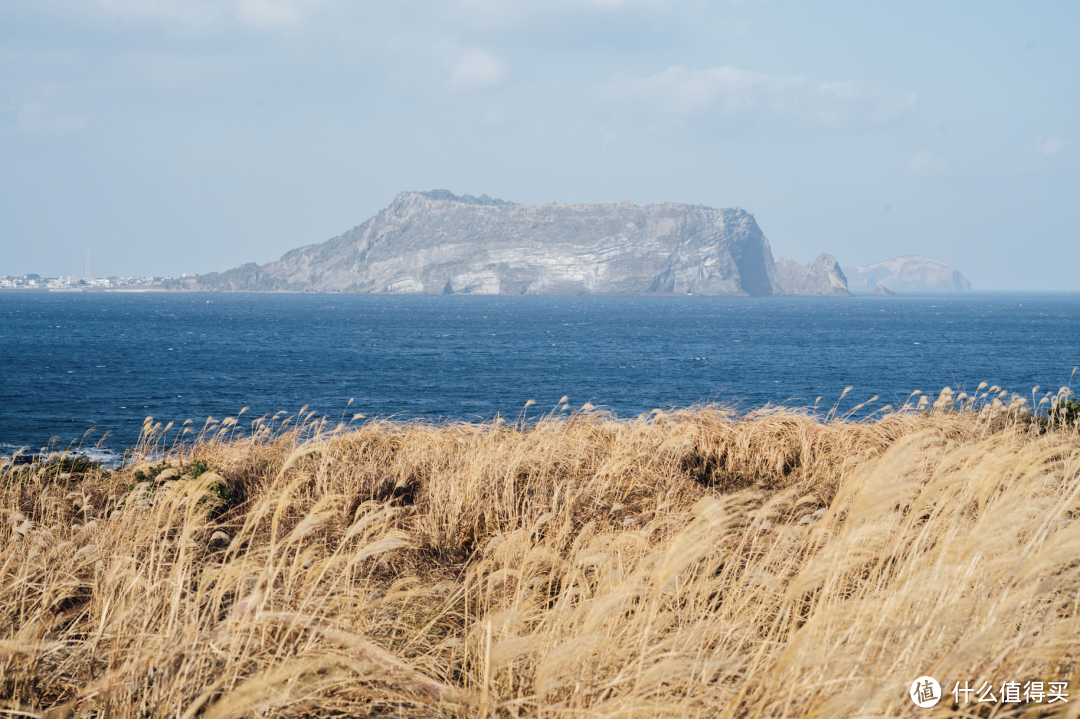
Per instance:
x=440, y=243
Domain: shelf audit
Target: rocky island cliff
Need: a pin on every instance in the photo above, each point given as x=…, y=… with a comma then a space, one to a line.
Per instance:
x=440, y=243
x=823, y=276
x=910, y=273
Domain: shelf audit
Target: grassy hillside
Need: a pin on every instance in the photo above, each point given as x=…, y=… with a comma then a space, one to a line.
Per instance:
x=694, y=564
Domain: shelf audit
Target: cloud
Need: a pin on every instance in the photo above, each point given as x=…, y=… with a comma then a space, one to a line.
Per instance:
x=203, y=15
x=186, y=14
x=476, y=70
x=267, y=14
x=678, y=93
x=35, y=117
x=616, y=4
x=531, y=7
x=490, y=15
x=926, y=164
x=1051, y=147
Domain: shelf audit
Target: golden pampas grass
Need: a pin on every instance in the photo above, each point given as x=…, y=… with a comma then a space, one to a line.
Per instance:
x=691, y=563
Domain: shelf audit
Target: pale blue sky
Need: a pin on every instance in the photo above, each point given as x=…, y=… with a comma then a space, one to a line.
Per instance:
x=172, y=136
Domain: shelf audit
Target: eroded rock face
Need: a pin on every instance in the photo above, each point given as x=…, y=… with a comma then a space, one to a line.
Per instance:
x=907, y=274
x=822, y=277
x=439, y=243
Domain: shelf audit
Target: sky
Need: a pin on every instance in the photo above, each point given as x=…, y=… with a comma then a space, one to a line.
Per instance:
x=187, y=136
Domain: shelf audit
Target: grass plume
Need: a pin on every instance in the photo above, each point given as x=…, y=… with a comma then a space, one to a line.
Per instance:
x=697, y=563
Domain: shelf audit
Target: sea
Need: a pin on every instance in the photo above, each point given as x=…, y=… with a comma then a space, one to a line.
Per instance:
x=84, y=370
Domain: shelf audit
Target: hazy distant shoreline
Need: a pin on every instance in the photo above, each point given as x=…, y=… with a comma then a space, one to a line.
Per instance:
x=338, y=293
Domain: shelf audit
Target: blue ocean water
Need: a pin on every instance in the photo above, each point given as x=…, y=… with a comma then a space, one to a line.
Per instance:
x=74, y=361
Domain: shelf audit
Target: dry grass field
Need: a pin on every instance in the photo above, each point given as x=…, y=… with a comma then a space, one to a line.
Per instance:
x=700, y=563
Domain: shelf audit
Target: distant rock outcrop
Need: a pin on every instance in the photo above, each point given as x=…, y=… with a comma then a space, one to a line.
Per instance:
x=907, y=274
x=440, y=243
x=881, y=290
x=822, y=277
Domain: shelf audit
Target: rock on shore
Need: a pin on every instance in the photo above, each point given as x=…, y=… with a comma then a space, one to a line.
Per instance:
x=881, y=290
